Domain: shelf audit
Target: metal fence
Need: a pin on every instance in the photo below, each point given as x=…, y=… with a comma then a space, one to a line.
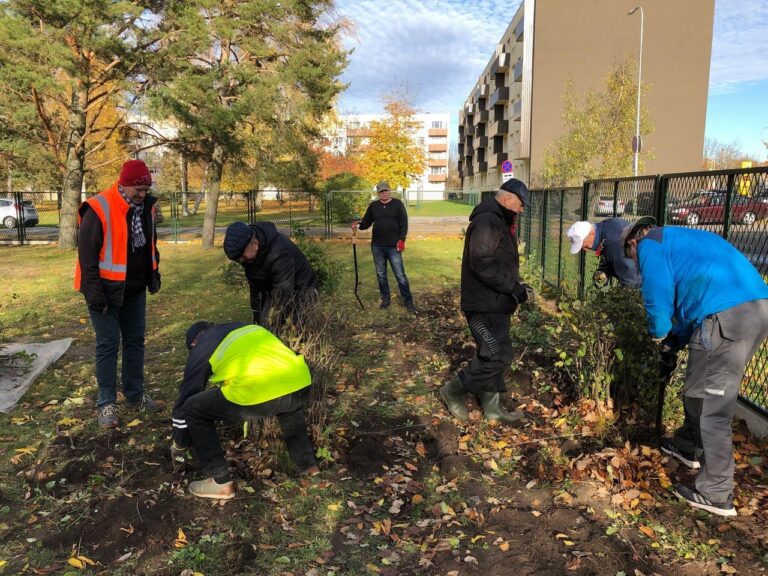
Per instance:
x=321, y=215
x=731, y=203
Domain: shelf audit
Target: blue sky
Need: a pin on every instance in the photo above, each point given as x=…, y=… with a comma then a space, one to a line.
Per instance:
x=436, y=49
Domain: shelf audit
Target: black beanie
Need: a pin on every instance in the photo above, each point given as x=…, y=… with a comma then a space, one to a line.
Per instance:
x=195, y=330
x=236, y=239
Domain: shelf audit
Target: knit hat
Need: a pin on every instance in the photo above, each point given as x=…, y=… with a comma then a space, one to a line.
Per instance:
x=195, y=330
x=517, y=188
x=135, y=173
x=236, y=238
x=577, y=233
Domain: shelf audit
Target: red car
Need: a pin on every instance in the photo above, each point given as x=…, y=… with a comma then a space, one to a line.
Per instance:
x=709, y=207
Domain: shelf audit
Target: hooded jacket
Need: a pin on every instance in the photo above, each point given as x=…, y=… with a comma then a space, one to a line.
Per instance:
x=490, y=265
x=279, y=272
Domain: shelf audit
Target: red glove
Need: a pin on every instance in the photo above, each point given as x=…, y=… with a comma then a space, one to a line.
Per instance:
x=401, y=245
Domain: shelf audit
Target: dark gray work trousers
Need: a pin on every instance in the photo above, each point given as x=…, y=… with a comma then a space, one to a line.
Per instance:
x=493, y=352
x=718, y=354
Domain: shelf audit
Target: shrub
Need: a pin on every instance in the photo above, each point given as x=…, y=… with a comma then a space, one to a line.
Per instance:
x=328, y=271
x=350, y=196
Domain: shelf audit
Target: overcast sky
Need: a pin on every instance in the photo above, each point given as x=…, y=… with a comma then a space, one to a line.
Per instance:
x=438, y=48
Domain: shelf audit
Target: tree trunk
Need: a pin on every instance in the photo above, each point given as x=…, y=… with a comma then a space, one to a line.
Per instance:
x=74, y=168
x=203, y=186
x=212, y=204
x=184, y=184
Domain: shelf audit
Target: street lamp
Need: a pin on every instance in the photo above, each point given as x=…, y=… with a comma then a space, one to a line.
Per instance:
x=636, y=142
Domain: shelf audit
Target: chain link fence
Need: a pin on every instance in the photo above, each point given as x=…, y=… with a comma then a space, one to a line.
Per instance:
x=730, y=203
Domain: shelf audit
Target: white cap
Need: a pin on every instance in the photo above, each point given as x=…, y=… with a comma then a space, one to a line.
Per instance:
x=577, y=233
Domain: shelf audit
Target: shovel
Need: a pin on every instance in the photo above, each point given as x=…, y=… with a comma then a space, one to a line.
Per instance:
x=354, y=256
x=665, y=377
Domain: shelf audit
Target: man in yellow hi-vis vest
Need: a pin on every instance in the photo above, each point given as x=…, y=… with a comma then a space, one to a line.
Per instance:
x=254, y=375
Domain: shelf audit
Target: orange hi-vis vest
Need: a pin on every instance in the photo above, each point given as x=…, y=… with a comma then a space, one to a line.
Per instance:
x=112, y=210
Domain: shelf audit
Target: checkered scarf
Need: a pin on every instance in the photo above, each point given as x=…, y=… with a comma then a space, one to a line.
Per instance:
x=138, y=240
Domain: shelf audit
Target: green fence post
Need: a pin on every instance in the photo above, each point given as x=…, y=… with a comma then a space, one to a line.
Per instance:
x=582, y=255
x=543, y=244
x=616, y=198
x=560, y=241
x=727, y=207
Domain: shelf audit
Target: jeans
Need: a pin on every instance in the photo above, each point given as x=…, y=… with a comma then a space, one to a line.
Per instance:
x=202, y=411
x=382, y=254
x=127, y=321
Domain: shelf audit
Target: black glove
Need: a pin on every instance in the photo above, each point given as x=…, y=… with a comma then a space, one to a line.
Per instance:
x=256, y=316
x=154, y=283
x=522, y=293
x=668, y=356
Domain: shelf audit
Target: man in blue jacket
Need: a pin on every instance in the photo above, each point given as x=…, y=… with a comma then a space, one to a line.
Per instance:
x=603, y=239
x=702, y=292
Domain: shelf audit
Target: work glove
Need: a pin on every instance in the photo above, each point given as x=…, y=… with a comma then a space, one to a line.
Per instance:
x=668, y=356
x=154, y=283
x=522, y=293
x=401, y=245
x=599, y=279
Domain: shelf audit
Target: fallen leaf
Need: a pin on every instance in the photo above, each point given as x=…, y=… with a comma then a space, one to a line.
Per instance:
x=417, y=499
x=648, y=531
x=133, y=423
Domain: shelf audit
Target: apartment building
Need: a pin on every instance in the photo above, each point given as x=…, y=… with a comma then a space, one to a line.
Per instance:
x=514, y=112
x=353, y=133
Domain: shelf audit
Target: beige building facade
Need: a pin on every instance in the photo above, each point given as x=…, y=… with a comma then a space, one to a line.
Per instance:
x=514, y=112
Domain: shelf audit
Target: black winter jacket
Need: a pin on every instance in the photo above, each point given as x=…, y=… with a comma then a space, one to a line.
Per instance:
x=280, y=271
x=490, y=265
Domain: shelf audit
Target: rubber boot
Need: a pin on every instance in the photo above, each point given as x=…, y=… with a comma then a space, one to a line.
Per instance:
x=453, y=395
x=495, y=412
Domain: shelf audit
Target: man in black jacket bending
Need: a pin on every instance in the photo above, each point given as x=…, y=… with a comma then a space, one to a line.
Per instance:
x=490, y=292
x=278, y=273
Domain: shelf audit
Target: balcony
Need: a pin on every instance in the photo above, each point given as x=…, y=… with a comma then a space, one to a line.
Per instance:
x=437, y=147
x=499, y=95
x=436, y=177
x=480, y=92
x=437, y=132
x=461, y=149
x=498, y=159
x=437, y=162
x=470, y=169
x=482, y=166
x=480, y=130
x=481, y=117
x=468, y=108
x=500, y=63
x=517, y=110
x=481, y=142
x=498, y=144
x=517, y=152
x=358, y=132
x=517, y=72
x=498, y=128
x=519, y=29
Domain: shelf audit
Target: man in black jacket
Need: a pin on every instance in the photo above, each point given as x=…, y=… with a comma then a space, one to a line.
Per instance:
x=490, y=292
x=117, y=262
x=278, y=273
x=389, y=219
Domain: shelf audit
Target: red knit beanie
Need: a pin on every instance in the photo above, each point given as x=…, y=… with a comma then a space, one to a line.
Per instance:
x=135, y=173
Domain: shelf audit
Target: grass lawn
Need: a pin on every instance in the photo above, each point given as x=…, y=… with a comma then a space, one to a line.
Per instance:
x=404, y=488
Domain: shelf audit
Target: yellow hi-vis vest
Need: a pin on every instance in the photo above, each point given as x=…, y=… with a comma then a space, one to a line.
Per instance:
x=253, y=366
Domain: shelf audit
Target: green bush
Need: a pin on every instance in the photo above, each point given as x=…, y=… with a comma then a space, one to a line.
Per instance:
x=328, y=271
x=350, y=196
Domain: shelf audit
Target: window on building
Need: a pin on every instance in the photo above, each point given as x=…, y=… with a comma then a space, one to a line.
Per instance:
x=437, y=170
x=354, y=124
x=437, y=140
x=437, y=124
x=420, y=141
x=438, y=155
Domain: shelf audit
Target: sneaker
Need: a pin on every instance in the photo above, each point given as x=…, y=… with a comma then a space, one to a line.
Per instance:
x=697, y=500
x=209, y=488
x=145, y=404
x=669, y=447
x=108, y=416
x=384, y=304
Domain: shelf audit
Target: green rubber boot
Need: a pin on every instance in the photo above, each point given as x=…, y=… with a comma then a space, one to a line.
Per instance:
x=453, y=395
x=495, y=412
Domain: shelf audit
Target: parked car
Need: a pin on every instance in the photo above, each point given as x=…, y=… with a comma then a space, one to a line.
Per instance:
x=9, y=213
x=605, y=207
x=709, y=206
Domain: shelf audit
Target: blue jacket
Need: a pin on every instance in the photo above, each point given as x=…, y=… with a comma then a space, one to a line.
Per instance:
x=613, y=261
x=689, y=274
